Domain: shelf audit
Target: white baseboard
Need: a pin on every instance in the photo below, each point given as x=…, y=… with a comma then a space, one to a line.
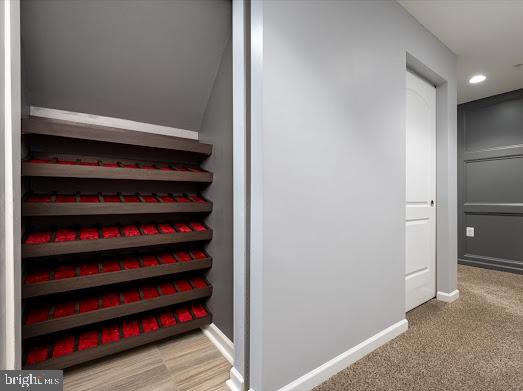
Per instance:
x=330, y=368
x=448, y=297
x=220, y=340
x=235, y=383
x=120, y=123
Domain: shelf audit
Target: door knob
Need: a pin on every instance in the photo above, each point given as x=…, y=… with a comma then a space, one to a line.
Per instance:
x=431, y=202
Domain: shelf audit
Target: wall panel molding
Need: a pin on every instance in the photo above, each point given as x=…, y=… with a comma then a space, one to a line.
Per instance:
x=490, y=146
x=510, y=151
x=493, y=208
x=492, y=263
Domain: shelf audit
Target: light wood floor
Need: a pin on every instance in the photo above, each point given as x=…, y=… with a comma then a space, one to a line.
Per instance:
x=184, y=363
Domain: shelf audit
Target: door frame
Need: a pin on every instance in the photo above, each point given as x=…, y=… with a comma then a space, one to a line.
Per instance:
x=10, y=188
x=435, y=184
x=241, y=35
x=446, y=180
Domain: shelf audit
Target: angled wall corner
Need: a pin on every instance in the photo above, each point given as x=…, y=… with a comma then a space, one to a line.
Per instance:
x=217, y=129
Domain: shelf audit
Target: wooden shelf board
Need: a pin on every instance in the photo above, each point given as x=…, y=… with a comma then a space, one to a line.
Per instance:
x=102, y=208
x=68, y=322
x=120, y=173
x=75, y=130
x=108, y=278
x=82, y=246
x=119, y=346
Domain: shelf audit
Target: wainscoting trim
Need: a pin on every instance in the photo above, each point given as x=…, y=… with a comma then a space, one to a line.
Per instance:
x=504, y=265
x=477, y=207
x=493, y=208
x=493, y=153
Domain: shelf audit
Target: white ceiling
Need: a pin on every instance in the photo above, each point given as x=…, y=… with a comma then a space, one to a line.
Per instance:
x=486, y=35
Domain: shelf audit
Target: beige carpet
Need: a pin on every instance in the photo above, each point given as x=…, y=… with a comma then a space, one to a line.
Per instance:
x=475, y=343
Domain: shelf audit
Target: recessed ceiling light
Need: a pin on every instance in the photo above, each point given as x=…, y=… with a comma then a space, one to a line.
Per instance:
x=477, y=79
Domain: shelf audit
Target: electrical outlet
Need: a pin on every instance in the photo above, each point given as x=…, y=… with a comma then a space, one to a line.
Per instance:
x=470, y=232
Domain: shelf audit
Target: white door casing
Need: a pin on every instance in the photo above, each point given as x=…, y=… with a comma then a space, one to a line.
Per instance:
x=420, y=208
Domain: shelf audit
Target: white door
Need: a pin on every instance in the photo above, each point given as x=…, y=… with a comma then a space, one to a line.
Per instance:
x=420, y=213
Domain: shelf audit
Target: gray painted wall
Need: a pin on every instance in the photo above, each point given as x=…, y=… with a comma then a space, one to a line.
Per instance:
x=144, y=60
x=217, y=130
x=328, y=172
x=490, y=135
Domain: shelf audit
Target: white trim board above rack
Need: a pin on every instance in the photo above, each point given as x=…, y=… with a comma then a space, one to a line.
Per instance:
x=120, y=123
